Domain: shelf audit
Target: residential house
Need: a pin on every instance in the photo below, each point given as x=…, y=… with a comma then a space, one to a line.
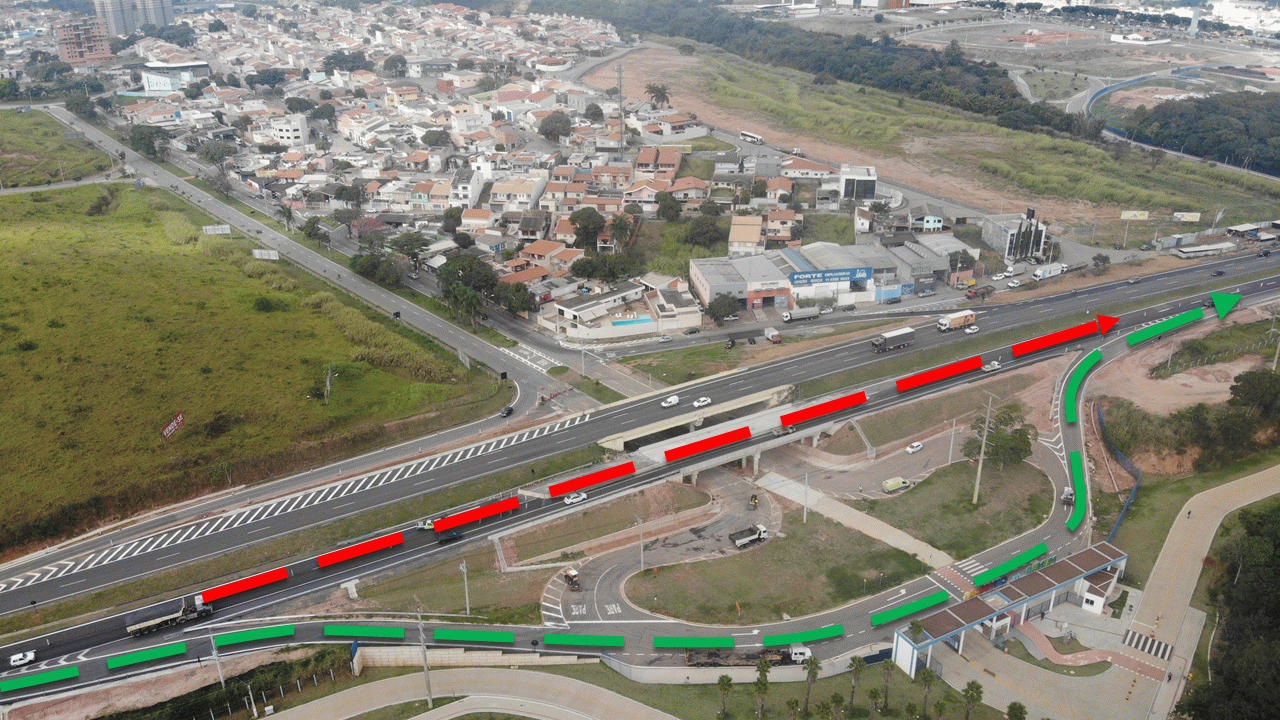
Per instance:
x=805, y=169
x=475, y=220
x=779, y=223
x=541, y=251
x=690, y=189
x=746, y=236
x=516, y=194
x=420, y=196
x=776, y=187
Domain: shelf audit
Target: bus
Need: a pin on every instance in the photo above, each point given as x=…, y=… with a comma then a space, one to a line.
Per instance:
x=751, y=137
x=1195, y=251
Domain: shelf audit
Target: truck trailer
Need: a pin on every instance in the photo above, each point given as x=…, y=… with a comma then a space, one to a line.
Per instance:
x=956, y=320
x=801, y=314
x=1048, y=271
x=792, y=655
x=171, y=612
x=893, y=339
x=755, y=533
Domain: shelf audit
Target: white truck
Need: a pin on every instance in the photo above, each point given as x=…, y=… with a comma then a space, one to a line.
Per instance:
x=755, y=533
x=1048, y=271
x=992, y=366
x=1015, y=270
x=801, y=314
x=772, y=335
x=956, y=320
x=893, y=339
x=172, y=612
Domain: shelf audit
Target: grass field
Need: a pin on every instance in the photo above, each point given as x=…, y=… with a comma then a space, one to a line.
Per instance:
x=1220, y=346
x=702, y=702
x=114, y=322
x=818, y=565
x=680, y=366
x=838, y=229
x=34, y=151
x=965, y=144
x=697, y=167
x=938, y=509
x=1054, y=85
x=845, y=441
x=907, y=420
x=709, y=144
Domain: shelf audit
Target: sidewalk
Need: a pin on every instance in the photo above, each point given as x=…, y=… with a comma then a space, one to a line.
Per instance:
x=522, y=692
x=834, y=509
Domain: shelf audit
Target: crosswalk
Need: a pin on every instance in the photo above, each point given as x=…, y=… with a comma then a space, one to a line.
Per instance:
x=969, y=568
x=1147, y=644
x=248, y=516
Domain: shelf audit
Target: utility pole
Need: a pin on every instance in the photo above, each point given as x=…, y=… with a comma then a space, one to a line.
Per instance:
x=805, y=516
x=252, y=703
x=982, y=455
x=426, y=667
x=466, y=589
x=640, y=524
x=217, y=660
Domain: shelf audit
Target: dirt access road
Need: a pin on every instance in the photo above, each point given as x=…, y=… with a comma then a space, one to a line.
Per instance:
x=922, y=166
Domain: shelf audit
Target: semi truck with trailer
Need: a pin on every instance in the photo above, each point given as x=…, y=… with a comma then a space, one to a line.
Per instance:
x=755, y=533
x=772, y=335
x=980, y=292
x=792, y=655
x=171, y=612
x=1048, y=271
x=956, y=320
x=893, y=339
x=808, y=313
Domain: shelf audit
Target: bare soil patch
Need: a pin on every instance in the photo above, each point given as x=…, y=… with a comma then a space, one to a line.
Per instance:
x=1046, y=37
x=1150, y=96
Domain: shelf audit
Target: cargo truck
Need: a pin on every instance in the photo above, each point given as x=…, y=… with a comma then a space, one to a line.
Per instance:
x=956, y=320
x=793, y=655
x=980, y=293
x=1015, y=270
x=172, y=612
x=1048, y=271
x=893, y=339
x=755, y=533
x=772, y=335
x=808, y=313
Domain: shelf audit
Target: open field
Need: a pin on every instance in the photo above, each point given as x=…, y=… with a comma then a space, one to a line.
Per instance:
x=1054, y=85
x=818, y=565
x=903, y=421
x=938, y=510
x=938, y=149
x=33, y=151
x=120, y=315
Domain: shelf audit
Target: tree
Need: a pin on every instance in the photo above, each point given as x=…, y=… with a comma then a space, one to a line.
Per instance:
x=873, y=695
x=9, y=89
x=463, y=240
x=632, y=209
x=466, y=64
x=686, y=49
x=436, y=138
x=1016, y=711
x=516, y=297
x=705, y=231
x=878, y=17
x=468, y=271
x=555, y=126
x=761, y=686
x=856, y=666
x=659, y=94
x=269, y=77
x=927, y=678
x=219, y=183
x=350, y=62
x=824, y=78
x=250, y=10
x=793, y=707
x=759, y=188
x=720, y=308
x=1008, y=438
x=465, y=301
x=452, y=219
x=312, y=231
x=286, y=214
x=710, y=207
x=910, y=709
x=323, y=112
x=149, y=140
x=669, y=207
x=298, y=105
x=82, y=106
x=396, y=66
x=724, y=684
x=888, y=675
x=940, y=708
x=217, y=26
x=593, y=113
x=822, y=709
x=216, y=151
x=972, y=695
x=1258, y=391
x=811, y=669
x=352, y=194
x=410, y=245
x=587, y=224
x=837, y=705
x=1101, y=263
x=916, y=628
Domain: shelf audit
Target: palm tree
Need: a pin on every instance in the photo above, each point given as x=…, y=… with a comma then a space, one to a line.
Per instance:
x=927, y=677
x=286, y=214
x=856, y=666
x=811, y=669
x=793, y=704
x=916, y=629
x=972, y=695
x=620, y=226
x=659, y=94
x=837, y=705
x=724, y=683
x=940, y=708
x=761, y=686
x=823, y=709
x=911, y=710
x=874, y=696
x=888, y=673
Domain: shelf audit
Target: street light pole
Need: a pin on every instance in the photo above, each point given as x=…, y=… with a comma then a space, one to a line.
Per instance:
x=466, y=589
x=426, y=667
x=252, y=703
x=982, y=454
x=640, y=524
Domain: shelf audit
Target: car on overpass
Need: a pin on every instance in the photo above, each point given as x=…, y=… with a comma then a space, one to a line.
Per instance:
x=672, y=401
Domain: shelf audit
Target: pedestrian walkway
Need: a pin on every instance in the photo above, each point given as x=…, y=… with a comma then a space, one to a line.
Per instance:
x=833, y=509
x=519, y=692
x=1086, y=657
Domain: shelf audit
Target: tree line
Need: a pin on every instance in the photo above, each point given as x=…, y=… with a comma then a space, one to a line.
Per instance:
x=1239, y=128
x=946, y=77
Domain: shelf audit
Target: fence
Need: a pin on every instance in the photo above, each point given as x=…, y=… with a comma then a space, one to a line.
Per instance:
x=1125, y=463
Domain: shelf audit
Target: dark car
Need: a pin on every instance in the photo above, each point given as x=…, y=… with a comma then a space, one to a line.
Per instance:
x=729, y=343
x=1264, y=253
x=506, y=411
x=692, y=331
x=892, y=300
x=448, y=536
x=1219, y=273
x=751, y=341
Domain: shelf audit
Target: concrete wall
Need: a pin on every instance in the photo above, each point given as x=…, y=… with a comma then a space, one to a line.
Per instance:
x=411, y=656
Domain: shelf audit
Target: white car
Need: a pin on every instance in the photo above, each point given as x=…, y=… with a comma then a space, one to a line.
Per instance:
x=914, y=448
x=1014, y=283
x=999, y=276
x=702, y=402
x=672, y=401
x=574, y=498
x=971, y=330
x=22, y=658
x=826, y=311
x=664, y=339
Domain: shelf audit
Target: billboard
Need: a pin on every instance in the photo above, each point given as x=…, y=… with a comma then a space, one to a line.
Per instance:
x=1134, y=214
x=173, y=425
x=826, y=276
x=216, y=229
x=1187, y=217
